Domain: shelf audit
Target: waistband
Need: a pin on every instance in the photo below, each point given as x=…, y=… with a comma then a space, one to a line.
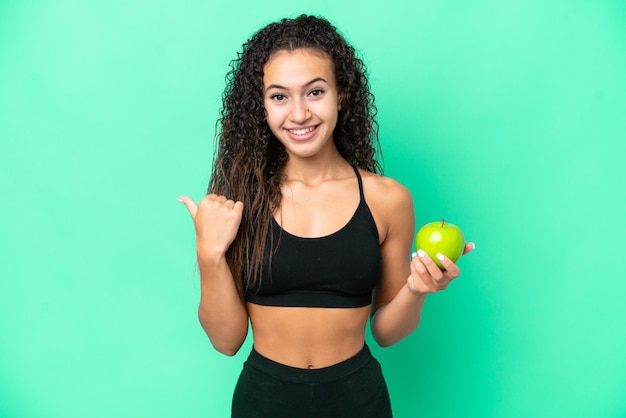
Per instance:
x=298, y=375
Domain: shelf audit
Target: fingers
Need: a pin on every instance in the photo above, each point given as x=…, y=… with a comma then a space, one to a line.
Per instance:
x=190, y=205
x=238, y=207
x=222, y=202
x=427, y=277
x=469, y=247
x=420, y=281
x=418, y=268
x=431, y=266
x=451, y=271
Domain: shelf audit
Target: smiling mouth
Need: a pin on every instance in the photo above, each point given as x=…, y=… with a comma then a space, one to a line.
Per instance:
x=303, y=134
x=302, y=131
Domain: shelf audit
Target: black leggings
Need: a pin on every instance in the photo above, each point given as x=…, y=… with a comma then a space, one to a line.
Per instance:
x=352, y=388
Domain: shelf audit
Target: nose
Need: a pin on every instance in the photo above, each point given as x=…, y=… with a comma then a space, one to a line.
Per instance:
x=299, y=111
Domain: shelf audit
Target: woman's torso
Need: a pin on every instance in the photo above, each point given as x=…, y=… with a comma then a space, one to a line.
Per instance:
x=315, y=337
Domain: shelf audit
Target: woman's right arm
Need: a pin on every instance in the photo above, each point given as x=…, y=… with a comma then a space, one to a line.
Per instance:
x=222, y=312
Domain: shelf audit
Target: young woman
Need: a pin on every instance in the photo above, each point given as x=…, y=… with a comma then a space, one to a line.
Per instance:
x=301, y=236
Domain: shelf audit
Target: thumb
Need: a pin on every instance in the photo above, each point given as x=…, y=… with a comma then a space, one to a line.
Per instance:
x=469, y=247
x=190, y=205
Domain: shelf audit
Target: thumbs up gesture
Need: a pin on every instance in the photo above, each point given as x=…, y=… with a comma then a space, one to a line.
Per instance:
x=216, y=220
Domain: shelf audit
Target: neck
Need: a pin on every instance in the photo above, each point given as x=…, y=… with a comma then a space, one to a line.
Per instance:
x=316, y=170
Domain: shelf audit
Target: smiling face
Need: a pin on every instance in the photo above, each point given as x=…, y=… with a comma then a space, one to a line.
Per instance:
x=301, y=101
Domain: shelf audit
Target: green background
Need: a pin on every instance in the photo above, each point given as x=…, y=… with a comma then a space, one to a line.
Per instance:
x=508, y=118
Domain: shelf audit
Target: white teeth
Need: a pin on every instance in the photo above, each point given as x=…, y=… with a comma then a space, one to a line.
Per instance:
x=301, y=131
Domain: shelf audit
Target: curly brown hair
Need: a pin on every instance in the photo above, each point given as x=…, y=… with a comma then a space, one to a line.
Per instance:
x=249, y=162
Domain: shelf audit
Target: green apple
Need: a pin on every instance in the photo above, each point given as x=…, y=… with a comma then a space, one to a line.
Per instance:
x=441, y=237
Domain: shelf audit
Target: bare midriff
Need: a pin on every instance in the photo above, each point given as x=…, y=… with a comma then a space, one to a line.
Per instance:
x=308, y=338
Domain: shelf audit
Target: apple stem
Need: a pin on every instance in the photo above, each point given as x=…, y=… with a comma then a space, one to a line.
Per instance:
x=442, y=222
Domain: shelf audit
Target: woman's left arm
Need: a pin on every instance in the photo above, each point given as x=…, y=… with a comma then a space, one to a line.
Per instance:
x=404, y=283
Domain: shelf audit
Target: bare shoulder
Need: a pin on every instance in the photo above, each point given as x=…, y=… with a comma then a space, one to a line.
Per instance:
x=385, y=190
x=389, y=201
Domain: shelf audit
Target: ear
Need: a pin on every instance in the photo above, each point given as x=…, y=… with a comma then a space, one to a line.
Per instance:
x=339, y=101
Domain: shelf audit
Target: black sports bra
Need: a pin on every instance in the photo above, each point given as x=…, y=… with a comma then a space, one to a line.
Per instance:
x=339, y=270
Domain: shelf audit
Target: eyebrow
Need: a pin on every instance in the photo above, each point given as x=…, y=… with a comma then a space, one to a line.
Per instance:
x=278, y=86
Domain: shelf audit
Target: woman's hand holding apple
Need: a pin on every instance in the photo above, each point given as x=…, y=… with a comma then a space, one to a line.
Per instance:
x=442, y=241
x=427, y=277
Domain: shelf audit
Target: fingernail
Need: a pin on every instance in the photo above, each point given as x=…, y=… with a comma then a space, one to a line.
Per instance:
x=413, y=255
x=473, y=246
x=179, y=199
x=440, y=257
x=421, y=253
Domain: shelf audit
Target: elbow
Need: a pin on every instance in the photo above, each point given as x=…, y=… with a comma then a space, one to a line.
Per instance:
x=383, y=342
x=387, y=334
x=228, y=348
x=386, y=337
x=229, y=351
x=226, y=339
x=382, y=338
x=228, y=345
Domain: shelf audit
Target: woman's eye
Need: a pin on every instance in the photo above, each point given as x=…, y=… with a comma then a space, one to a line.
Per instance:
x=316, y=92
x=278, y=97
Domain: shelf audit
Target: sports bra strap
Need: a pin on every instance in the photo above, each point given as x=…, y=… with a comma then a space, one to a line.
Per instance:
x=358, y=177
